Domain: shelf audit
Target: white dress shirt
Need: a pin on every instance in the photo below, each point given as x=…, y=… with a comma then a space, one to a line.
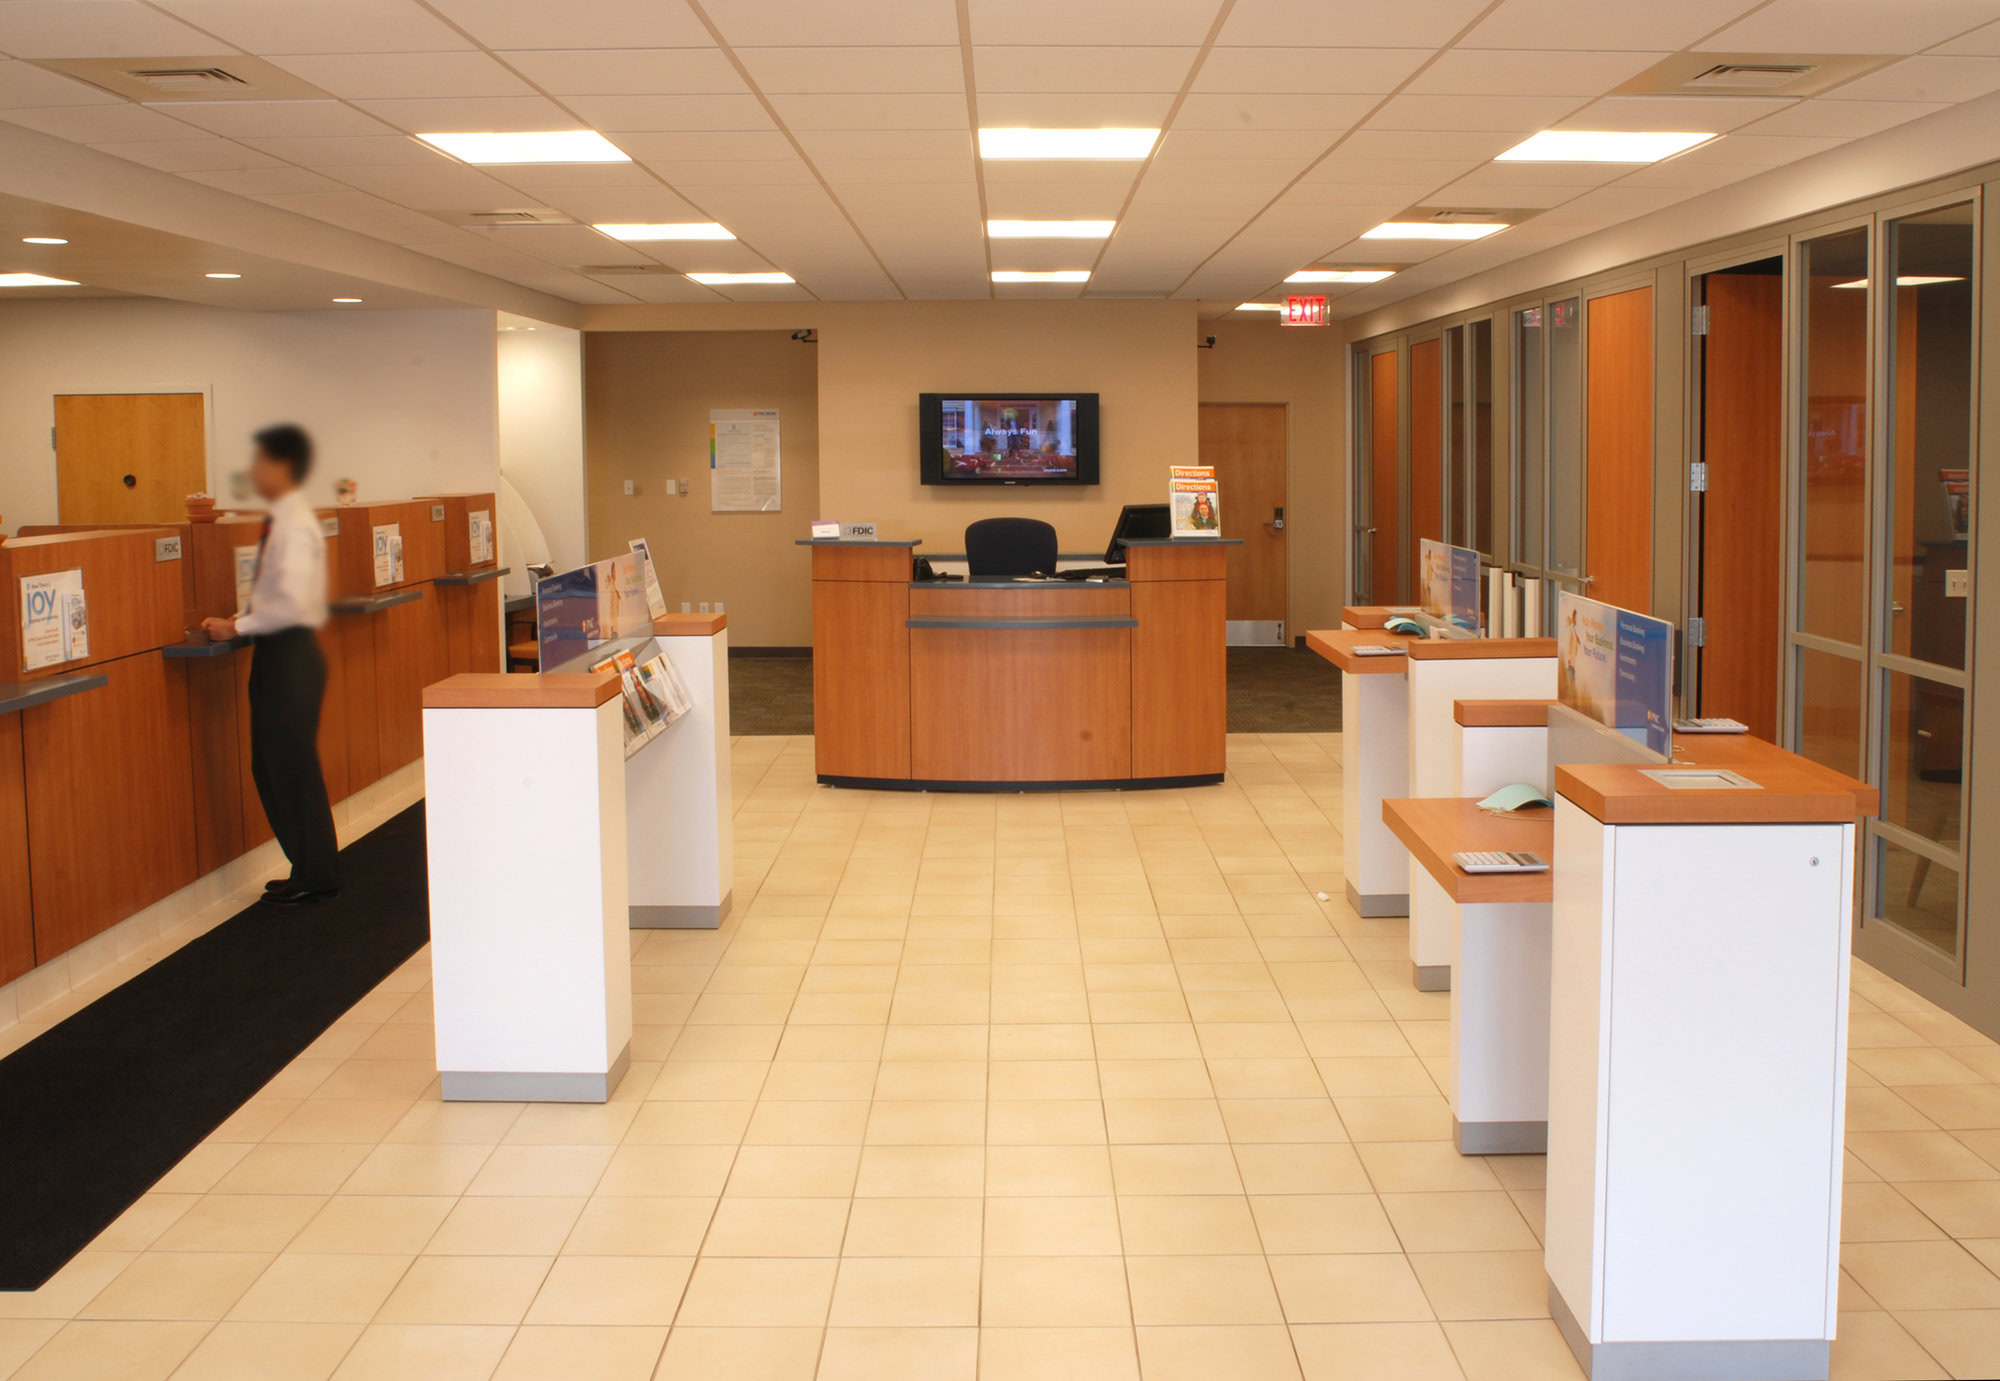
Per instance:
x=290, y=588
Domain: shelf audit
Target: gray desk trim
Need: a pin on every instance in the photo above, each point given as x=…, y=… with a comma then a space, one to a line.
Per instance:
x=474, y=577
x=1028, y=624
x=25, y=695
x=201, y=649
x=1182, y=542
x=999, y=584
x=843, y=542
x=1095, y=557
x=375, y=604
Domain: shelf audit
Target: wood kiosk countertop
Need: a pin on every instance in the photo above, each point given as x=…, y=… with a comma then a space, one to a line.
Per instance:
x=689, y=625
x=1435, y=828
x=1337, y=646
x=521, y=691
x=1372, y=615
x=1480, y=649
x=1502, y=714
x=1790, y=790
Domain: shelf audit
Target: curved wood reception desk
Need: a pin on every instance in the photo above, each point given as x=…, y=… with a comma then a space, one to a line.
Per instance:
x=968, y=685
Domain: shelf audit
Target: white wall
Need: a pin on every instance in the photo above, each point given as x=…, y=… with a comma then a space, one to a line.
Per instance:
x=403, y=402
x=541, y=433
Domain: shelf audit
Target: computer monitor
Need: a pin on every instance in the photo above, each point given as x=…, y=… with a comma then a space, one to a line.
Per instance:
x=1136, y=522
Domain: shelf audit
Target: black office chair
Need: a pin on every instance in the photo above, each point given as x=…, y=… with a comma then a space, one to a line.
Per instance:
x=1010, y=546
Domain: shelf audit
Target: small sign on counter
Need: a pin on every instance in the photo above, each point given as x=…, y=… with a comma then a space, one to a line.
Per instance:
x=55, y=622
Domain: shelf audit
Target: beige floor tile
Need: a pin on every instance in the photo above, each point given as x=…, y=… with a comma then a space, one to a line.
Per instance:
x=1296, y=1169
x=1266, y=1079
x=1164, y=1121
x=495, y=1226
x=1046, y=1122
x=1900, y=1156
x=1323, y=1224
x=1921, y=1275
x=611, y=1291
x=764, y=1172
x=1874, y=1347
x=301, y=1287
x=1350, y=1288
x=1484, y=1285
x=745, y=1226
x=719, y=1122
x=1964, y=1209
x=640, y=1227
x=269, y=1352
x=906, y=1292
x=541, y=1170
x=1075, y=1226
x=125, y=1350
x=921, y=1171
x=1181, y=1225
x=240, y=1223
x=279, y=1167
x=373, y=1224
x=139, y=1226
x=1206, y=1290
x=21, y=1338
x=1423, y=1167
x=1053, y=1292
x=466, y=1290
x=913, y=1227
x=1047, y=1171
x=1258, y=1352
x=1458, y=1222
x=900, y=1354
x=1375, y=1352
x=767, y=1292
x=740, y=1354
x=927, y=1122
x=931, y=1080
x=1057, y=1354
x=1275, y=1120
x=436, y=1352
x=601, y=1354
x=1512, y=1350
x=178, y=1285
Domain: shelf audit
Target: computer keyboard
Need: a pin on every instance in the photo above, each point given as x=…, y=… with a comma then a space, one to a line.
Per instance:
x=1093, y=573
x=1710, y=726
x=1494, y=861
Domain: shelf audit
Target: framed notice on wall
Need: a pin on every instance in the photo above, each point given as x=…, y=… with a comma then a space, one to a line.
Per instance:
x=743, y=464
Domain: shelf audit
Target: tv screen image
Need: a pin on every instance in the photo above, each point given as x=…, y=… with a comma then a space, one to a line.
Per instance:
x=989, y=438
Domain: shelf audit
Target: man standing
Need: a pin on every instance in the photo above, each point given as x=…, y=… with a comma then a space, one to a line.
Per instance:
x=287, y=672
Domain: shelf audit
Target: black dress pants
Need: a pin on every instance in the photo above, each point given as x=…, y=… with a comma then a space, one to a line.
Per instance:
x=287, y=684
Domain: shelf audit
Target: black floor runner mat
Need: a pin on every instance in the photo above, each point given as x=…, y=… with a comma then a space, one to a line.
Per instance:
x=94, y=1111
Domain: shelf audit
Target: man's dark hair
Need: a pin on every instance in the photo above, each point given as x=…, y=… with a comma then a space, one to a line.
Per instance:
x=289, y=445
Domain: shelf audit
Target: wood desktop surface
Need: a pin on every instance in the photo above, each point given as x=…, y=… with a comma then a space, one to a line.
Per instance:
x=492, y=690
x=1433, y=829
x=1337, y=646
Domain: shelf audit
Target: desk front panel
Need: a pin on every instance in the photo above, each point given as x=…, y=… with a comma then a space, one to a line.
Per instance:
x=1065, y=601
x=17, y=922
x=1180, y=679
x=861, y=677
x=1020, y=705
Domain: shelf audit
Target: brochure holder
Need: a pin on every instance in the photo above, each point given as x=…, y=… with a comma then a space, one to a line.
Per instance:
x=678, y=791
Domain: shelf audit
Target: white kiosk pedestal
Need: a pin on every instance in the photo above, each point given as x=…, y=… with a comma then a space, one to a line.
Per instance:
x=531, y=952
x=1697, y=1070
x=678, y=792
x=1374, y=758
x=1443, y=671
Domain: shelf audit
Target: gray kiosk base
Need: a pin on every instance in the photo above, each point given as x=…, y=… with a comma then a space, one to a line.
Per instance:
x=1500, y=1138
x=681, y=917
x=1758, y=1359
x=1380, y=905
x=1431, y=978
x=501, y=1086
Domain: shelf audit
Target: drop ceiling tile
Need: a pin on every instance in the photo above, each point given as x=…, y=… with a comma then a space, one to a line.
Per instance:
x=387, y=76
x=1852, y=26
x=281, y=119
x=855, y=71
x=871, y=170
x=25, y=86
x=1519, y=115
x=1981, y=42
x=1471, y=191
x=1429, y=145
x=633, y=72
x=1344, y=166
x=553, y=177
x=1842, y=119
x=706, y=256
x=1308, y=71
x=766, y=292
x=1082, y=172
x=264, y=182
x=569, y=245
x=1592, y=24
x=1393, y=195
x=357, y=211
x=704, y=145
x=670, y=113
x=855, y=286
x=1058, y=71
x=504, y=113
x=1194, y=173
x=629, y=205
x=667, y=288
x=838, y=144
x=1080, y=109
x=1409, y=23
x=883, y=110
x=382, y=150
x=1710, y=114
x=1108, y=25
x=448, y=184
x=1761, y=150
x=316, y=26
x=1530, y=72
x=102, y=124
x=1679, y=172
x=1297, y=146
x=761, y=172
x=1942, y=79
x=201, y=155
x=1055, y=202
x=615, y=24
x=790, y=23
x=94, y=28
x=1244, y=111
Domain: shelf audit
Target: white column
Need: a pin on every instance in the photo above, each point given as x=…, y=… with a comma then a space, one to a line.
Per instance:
x=679, y=798
x=1374, y=768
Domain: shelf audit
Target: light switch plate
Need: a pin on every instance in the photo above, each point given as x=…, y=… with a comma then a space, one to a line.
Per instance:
x=631, y=488
x=1958, y=584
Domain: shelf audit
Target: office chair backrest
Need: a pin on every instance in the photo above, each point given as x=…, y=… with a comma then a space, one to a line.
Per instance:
x=1010, y=546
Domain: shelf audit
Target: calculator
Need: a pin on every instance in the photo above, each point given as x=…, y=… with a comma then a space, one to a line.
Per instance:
x=1710, y=726
x=1379, y=650
x=1498, y=862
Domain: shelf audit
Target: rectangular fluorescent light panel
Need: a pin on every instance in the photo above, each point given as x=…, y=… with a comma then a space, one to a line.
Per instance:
x=1601, y=146
x=1067, y=143
x=1260, y=306
x=33, y=280
x=546, y=146
x=1341, y=275
x=1906, y=280
x=1048, y=276
x=723, y=280
x=1050, y=230
x=1434, y=230
x=670, y=230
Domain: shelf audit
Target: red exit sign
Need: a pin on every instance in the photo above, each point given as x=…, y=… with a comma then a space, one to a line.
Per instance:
x=1305, y=311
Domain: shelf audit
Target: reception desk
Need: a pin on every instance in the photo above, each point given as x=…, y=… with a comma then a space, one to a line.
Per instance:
x=1030, y=684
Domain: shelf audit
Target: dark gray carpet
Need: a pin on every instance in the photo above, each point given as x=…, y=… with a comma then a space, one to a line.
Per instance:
x=1272, y=690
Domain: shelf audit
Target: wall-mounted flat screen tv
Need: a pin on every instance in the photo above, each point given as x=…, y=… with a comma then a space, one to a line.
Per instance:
x=1008, y=438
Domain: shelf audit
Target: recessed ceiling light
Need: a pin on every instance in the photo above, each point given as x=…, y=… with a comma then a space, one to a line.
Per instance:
x=346, y=299
x=672, y=230
x=1050, y=230
x=715, y=280
x=543, y=146
x=1907, y=280
x=1067, y=143
x=1041, y=276
x=1341, y=275
x=1260, y=306
x=222, y=275
x=1601, y=146
x=33, y=280
x=42, y=240
x=1434, y=230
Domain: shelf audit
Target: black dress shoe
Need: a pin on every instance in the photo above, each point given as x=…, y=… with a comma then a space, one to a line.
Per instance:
x=279, y=885
x=300, y=896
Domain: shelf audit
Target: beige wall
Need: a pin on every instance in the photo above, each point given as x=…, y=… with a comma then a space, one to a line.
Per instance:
x=1302, y=368
x=646, y=401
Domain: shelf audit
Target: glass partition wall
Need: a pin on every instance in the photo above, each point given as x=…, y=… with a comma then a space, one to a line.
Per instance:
x=1547, y=500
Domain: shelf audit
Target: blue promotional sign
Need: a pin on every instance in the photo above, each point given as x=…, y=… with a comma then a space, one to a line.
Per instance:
x=1616, y=667
x=1450, y=584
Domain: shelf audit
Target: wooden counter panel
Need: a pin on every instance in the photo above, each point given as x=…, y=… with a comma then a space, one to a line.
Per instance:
x=211, y=557
x=332, y=721
x=1021, y=601
x=1180, y=679
x=457, y=535
x=994, y=705
x=410, y=653
x=1337, y=646
x=471, y=617
x=110, y=820
x=136, y=603
x=1193, y=559
x=1433, y=829
x=351, y=575
x=1479, y=649
x=1502, y=714
x=218, y=735
x=17, y=921
x=354, y=637
x=423, y=556
x=861, y=672
x=863, y=563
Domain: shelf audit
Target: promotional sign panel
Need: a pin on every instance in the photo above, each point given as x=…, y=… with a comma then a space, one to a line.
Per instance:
x=744, y=461
x=55, y=625
x=1616, y=667
x=592, y=605
x=1197, y=503
x=1449, y=584
x=388, y=554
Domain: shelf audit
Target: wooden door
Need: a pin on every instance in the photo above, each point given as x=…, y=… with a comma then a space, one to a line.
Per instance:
x=1245, y=442
x=156, y=441
x=1618, y=450
x=1384, y=518
x=1742, y=561
x=1426, y=448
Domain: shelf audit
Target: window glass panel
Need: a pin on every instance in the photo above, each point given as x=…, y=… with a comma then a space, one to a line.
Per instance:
x=1529, y=498
x=1565, y=437
x=1829, y=728
x=1481, y=421
x=1833, y=517
x=1917, y=894
x=1458, y=460
x=1930, y=401
x=1924, y=752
